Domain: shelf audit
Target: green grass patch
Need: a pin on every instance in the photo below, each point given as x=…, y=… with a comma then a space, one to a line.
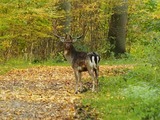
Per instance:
x=13, y=64
x=132, y=96
x=21, y=64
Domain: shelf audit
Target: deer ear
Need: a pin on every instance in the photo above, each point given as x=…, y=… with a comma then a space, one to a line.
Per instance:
x=62, y=39
x=74, y=40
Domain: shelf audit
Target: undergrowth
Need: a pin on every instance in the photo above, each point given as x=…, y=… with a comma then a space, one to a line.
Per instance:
x=131, y=96
x=134, y=95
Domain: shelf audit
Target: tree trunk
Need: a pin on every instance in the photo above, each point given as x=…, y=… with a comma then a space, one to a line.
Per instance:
x=67, y=7
x=117, y=29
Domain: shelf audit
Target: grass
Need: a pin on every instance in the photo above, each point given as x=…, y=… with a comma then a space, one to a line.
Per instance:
x=20, y=64
x=132, y=96
x=12, y=64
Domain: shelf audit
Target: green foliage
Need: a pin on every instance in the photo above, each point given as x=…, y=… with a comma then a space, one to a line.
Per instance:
x=59, y=58
x=26, y=27
x=13, y=64
x=135, y=95
x=144, y=88
x=23, y=24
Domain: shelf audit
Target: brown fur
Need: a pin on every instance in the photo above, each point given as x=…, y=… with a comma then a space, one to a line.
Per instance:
x=80, y=62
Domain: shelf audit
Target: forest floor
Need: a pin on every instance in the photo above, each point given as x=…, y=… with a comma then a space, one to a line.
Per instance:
x=45, y=92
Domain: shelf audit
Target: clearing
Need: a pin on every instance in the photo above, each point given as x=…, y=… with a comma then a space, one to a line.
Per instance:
x=44, y=92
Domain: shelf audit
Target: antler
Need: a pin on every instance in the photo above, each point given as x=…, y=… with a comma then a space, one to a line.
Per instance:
x=85, y=29
x=75, y=39
x=61, y=38
x=80, y=37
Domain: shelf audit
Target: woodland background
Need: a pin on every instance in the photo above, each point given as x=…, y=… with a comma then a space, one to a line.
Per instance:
x=37, y=83
x=27, y=27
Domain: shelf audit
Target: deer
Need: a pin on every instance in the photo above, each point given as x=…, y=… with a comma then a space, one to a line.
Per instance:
x=81, y=62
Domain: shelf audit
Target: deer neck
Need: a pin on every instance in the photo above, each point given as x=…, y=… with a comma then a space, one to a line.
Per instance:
x=69, y=54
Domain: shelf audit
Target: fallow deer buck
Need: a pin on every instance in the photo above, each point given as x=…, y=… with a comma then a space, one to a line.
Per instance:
x=81, y=61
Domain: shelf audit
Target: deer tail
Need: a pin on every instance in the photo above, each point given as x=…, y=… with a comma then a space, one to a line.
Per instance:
x=94, y=59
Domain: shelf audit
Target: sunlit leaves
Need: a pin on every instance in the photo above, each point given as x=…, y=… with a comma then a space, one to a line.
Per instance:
x=25, y=20
x=40, y=92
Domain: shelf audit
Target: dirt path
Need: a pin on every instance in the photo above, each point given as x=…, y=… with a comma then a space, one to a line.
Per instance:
x=43, y=92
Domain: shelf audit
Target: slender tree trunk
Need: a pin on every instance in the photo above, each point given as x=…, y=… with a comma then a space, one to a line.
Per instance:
x=25, y=55
x=67, y=8
x=31, y=52
x=117, y=29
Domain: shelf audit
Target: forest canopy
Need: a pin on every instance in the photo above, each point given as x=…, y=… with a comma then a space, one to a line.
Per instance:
x=27, y=27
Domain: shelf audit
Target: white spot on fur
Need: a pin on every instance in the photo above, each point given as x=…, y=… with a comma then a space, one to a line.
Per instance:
x=97, y=59
x=79, y=68
x=92, y=62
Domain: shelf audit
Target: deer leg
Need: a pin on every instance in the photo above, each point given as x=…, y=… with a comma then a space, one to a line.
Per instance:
x=76, y=86
x=91, y=73
x=96, y=74
x=81, y=87
x=78, y=79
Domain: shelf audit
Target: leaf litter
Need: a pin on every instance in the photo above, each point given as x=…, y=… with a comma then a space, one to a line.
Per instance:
x=44, y=92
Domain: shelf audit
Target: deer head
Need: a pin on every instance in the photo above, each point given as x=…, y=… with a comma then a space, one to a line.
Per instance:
x=68, y=40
